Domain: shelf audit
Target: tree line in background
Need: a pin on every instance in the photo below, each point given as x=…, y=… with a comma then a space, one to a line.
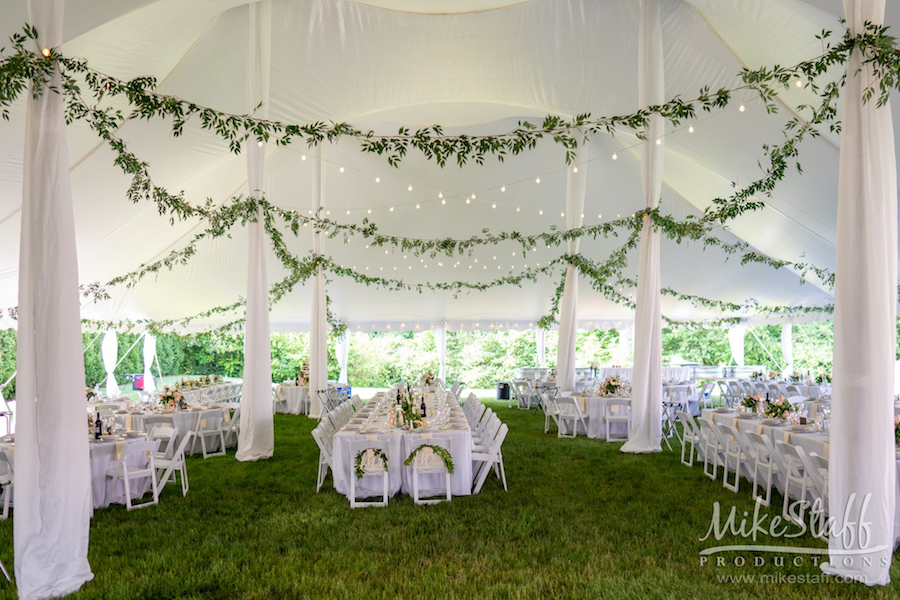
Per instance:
x=477, y=358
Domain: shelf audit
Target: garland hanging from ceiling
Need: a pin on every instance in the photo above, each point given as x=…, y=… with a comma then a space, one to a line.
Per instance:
x=23, y=67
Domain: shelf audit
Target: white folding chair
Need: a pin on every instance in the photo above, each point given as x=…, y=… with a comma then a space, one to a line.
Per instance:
x=231, y=429
x=493, y=458
x=210, y=434
x=372, y=465
x=818, y=471
x=690, y=437
x=569, y=417
x=323, y=441
x=7, y=481
x=617, y=411
x=136, y=463
x=551, y=412
x=795, y=474
x=166, y=436
x=169, y=467
x=427, y=462
x=734, y=456
x=713, y=450
x=763, y=462
x=279, y=400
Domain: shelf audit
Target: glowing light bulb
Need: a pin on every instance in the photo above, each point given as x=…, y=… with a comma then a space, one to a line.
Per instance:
x=378, y=180
x=342, y=169
x=494, y=205
x=46, y=52
x=443, y=202
x=562, y=214
x=517, y=209
x=574, y=169
x=392, y=209
x=799, y=83
x=691, y=129
x=540, y=212
x=503, y=188
x=327, y=212
x=600, y=216
x=409, y=189
x=370, y=211
x=468, y=200
x=537, y=179
x=659, y=141
x=615, y=156
x=440, y=194
x=348, y=212
x=302, y=157
x=417, y=205
x=741, y=108
x=473, y=196
x=260, y=143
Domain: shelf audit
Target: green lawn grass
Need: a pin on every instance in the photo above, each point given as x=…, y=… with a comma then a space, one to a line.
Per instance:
x=580, y=520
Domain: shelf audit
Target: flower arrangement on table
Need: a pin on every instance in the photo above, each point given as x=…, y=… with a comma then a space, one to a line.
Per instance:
x=797, y=376
x=552, y=372
x=611, y=386
x=594, y=364
x=772, y=375
x=371, y=454
x=172, y=398
x=757, y=376
x=428, y=378
x=205, y=380
x=823, y=377
x=439, y=451
x=752, y=402
x=90, y=394
x=777, y=409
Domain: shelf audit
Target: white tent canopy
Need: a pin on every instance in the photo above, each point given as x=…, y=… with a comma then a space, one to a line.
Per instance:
x=379, y=64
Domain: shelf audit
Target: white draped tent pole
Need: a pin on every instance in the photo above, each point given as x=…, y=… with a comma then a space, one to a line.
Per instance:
x=440, y=342
x=53, y=469
x=256, y=440
x=568, y=311
x=861, y=478
x=149, y=355
x=318, y=330
x=342, y=348
x=109, y=352
x=646, y=402
x=736, y=343
x=540, y=338
x=787, y=346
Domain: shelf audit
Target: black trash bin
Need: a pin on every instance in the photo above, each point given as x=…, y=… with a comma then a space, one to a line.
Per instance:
x=502, y=391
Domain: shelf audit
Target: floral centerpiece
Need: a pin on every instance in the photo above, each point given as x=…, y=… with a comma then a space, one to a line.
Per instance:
x=797, y=376
x=302, y=378
x=552, y=372
x=752, y=402
x=408, y=413
x=205, y=380
x=428, y=378
x=777, y=409
x=594, y=364
x=772, y=375
x=611, y=386
x=215, y=378
x=823, y=377
x=757, y=376
x=173, y=399
x=90, y=394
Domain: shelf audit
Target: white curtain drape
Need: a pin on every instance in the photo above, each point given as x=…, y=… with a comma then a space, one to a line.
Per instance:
x=318, y=330
x=736, y=343
x=256, y=440
x=440, y=343
x=540, y=338
x=342, y=347
x=109, y=352
x=646, y=402
x=568, y=313
x=149, y=355
x=53, y=469
x=787, y=346
x=862, y=463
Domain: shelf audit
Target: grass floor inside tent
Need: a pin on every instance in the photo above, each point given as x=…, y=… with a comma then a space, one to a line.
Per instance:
x=580, y=520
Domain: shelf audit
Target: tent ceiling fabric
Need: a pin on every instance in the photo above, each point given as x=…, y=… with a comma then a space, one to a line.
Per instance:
x=377, y=64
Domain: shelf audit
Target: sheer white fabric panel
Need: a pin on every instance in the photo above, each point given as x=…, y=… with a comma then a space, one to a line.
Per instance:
x=109, y=352
x=53, y=471
x=342, y=347
x=318, y=330
x=568, y=312
x=540, y=337
x=862, y=462
x=257, y=434
x=646, y=403
x=440, y=343
x=149, y=355
x=736, y=343
x=787, y=346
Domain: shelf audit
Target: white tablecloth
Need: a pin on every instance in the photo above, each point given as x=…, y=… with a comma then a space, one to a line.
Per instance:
x=593, y=408
x=184, y=420
x=103, y=458
x=295, y=399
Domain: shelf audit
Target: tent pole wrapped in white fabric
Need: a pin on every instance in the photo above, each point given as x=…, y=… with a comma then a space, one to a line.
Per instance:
x=149, y=357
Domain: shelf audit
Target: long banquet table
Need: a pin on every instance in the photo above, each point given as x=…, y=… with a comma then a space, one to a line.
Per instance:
x=399, y=445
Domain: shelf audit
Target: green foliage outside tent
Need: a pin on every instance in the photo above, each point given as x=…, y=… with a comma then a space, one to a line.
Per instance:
x=477, y=358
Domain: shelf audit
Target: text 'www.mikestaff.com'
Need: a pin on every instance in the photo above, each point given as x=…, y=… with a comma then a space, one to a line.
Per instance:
x=781, y=578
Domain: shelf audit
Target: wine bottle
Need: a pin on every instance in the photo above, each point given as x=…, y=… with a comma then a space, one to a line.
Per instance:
x=98, y=427
x=398, y=395
x=422, y=406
